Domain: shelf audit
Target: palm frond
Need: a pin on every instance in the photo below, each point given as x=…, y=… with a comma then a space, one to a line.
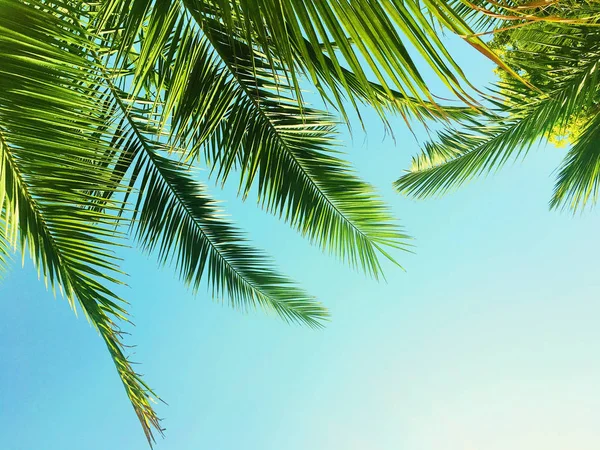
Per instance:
x=349, y=37
x=174, y=217
x=569, y=74
x=364, y=36
x=177, y=217
x=579, y=176
x=288, y=152
x=181, y=101
x=49, y=117
x=223, y=100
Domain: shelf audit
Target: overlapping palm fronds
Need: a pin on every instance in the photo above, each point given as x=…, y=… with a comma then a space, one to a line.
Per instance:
x=561, y=58
x=105, y=109
x=174, y=217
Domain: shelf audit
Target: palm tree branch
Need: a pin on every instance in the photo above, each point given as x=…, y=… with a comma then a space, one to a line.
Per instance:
x=460, y=155
x=47, y=139
x=239, y=271
x=578, y=179
x=297, y=139
x=64, y=269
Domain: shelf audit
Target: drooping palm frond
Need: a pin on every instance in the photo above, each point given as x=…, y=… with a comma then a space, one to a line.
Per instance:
x=364, y=36
x=578, y=180
x=174, y=217
x=351, y=39
x=289, y=153
x=222, y=100
x=98, y=99
x=49, y=118
x=561, y=59
x=190, y=232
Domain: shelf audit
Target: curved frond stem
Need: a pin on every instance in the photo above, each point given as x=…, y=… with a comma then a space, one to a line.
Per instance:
x=286, y=147
x=174, y=210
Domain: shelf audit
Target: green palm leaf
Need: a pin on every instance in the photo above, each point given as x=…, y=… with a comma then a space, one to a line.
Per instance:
x=352, y=34
x=48, y=136
x=174, y=217
x=350, y=38
x=289, y=152
x=178, y=218
x=567, y=65
x=579, y=176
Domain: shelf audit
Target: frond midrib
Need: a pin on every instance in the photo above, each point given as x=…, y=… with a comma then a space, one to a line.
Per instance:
x=150, y=153
x=277, y=135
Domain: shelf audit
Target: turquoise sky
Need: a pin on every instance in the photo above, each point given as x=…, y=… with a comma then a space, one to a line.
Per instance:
x=489, y=341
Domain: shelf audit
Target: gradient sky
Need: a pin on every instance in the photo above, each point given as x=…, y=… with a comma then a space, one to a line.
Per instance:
x=489, y=340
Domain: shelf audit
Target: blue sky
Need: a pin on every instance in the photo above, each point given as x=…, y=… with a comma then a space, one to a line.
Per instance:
x=489, y=340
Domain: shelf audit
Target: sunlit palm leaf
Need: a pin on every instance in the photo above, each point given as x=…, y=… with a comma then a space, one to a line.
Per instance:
x=229, y=105
x=174, y=217
x=578, y=180
x=362, y=38
x=289, y=153
x=354, y=34
x=48, y=137
x=567, y=60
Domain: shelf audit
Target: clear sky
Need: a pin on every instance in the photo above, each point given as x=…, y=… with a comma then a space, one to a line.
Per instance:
x=490, y=340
